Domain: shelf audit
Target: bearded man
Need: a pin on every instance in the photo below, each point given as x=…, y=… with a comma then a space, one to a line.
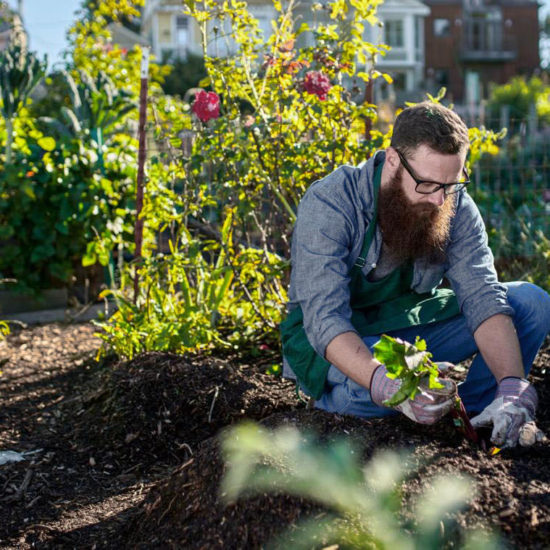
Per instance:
x=370, y=249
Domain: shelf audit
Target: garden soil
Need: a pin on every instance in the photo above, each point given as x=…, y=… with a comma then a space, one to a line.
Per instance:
x=126, y=454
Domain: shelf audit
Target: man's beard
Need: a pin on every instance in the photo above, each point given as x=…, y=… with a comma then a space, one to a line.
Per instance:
x=413, y=231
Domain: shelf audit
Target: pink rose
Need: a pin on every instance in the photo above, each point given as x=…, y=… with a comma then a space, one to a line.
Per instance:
x=317, y=83
x=206, y=105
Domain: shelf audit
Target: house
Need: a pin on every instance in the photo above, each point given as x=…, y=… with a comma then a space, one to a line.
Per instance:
x=403, y=30
x=471, y=44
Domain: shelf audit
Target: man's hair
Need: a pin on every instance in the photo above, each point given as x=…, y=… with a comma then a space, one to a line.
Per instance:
x=430, y=124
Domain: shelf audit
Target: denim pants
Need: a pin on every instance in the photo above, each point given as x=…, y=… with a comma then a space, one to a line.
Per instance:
x=451, y=341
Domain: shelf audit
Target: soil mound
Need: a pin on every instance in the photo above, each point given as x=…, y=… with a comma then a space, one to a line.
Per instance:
x=107, y=440
x=158, y=407
x=513, y=488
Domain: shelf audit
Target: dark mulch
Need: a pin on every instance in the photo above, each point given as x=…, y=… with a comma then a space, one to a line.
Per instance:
x=129, y=455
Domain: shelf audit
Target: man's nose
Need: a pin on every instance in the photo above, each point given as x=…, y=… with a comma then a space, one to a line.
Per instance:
x=437, y=198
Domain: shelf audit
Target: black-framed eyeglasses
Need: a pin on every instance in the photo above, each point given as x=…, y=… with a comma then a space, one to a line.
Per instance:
x=427, y=187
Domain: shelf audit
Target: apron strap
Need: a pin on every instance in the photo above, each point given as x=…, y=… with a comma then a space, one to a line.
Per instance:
x=362, y=258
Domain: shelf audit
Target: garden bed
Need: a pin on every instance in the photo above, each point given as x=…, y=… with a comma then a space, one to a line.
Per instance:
x=129, y=454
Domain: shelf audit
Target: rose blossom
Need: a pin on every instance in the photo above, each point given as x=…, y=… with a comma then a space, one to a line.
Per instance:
x=317, y=83
x=206, y=105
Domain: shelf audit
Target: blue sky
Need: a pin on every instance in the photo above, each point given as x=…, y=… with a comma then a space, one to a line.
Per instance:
x=47, y=22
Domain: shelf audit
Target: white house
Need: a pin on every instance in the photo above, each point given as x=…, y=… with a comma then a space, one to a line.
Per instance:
x=403, y=30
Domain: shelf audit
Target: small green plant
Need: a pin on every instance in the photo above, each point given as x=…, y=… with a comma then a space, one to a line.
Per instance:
x=412, y=363
x=363, y=503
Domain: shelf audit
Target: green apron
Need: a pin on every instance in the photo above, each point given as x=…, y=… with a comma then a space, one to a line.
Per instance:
x=377, y=307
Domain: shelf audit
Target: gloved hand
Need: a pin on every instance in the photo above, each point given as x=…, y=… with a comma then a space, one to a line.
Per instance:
x=512, y=414
x=429, y=404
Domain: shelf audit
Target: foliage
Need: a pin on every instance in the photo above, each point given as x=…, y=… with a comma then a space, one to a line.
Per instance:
x=20, y=72
x=364, y=503
x=92, y=49
x=185, y=74
x=204, y=292
x=53, y=202
x=410, y=363
x=519, y=94
x=513, y=220
x=73, y=176
x=534, y=268
x=260, y=153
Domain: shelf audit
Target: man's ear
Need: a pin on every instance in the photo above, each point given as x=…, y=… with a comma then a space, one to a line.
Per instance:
x=392, y=159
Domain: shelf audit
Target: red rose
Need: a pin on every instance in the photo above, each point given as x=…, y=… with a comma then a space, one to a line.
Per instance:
x=206, y=105
x=317, y=83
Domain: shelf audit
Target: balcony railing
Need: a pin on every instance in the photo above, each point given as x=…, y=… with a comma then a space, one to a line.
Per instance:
x=486, y=41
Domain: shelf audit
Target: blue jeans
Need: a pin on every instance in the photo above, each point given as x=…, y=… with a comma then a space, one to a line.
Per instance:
x=451, y=341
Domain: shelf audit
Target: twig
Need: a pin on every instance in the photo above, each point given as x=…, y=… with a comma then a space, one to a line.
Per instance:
x=24, y=486
x=212, y=404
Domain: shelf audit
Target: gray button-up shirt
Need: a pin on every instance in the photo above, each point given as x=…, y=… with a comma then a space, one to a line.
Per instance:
x=329, y=232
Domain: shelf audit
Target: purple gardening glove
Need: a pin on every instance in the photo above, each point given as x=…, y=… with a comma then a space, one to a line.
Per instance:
x=512, y=414
x=429, y=404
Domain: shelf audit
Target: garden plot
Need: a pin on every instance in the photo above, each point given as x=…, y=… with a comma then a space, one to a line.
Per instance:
x=130, y=455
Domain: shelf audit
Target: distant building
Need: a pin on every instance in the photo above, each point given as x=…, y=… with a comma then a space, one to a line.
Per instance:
x=403, y=30
x=471, y=44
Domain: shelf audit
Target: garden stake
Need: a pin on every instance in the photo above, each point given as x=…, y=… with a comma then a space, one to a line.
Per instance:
x=138, y=232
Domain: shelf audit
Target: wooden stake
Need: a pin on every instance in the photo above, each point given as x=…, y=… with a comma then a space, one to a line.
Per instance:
x=138, y=231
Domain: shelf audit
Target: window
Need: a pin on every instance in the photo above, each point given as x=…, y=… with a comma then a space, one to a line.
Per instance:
x=182, y=30
x=393, y=35
x=442, y=27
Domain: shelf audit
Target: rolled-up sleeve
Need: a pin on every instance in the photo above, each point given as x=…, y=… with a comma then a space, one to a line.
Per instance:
x=321, y=256
x=470, y=267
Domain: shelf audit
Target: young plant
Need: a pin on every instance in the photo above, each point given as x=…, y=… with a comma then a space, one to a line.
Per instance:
x=364, y=504
x=412, y=363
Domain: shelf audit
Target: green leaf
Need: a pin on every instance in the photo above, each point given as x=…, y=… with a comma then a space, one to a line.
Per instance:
x=89, y=259
x=47, y=143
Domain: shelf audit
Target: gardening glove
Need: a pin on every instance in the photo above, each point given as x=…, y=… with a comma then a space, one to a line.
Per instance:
x=512, y=414
x=429, y=404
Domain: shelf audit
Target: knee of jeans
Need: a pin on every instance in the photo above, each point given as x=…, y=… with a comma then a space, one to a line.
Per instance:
x=532, y=302
x=357, y=392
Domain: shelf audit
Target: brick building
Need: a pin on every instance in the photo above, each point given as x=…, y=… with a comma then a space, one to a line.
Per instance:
x=471, y=44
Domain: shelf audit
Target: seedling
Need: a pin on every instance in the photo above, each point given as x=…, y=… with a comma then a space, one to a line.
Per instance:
x=411, y=363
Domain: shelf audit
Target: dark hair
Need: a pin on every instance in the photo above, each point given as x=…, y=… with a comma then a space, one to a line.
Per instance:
x=430, y=124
